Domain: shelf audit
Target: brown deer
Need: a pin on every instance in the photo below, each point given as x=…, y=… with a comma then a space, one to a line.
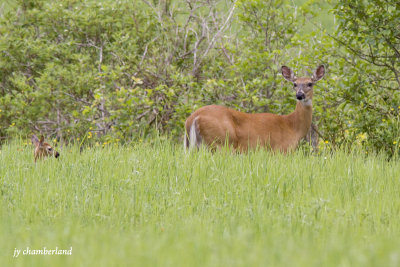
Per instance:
x=215, y=126
x=43, y=149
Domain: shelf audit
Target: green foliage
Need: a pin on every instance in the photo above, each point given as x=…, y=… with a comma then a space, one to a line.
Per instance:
x=121, y=68
x=61, y=60
x=369, y=33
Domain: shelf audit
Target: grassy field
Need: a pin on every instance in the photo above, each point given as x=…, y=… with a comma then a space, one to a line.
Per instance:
x=152, y=205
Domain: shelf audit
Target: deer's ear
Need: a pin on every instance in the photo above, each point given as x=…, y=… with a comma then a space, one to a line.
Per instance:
x=35, y=140
x=288, y=74
x=318, y=73
x=41, y=139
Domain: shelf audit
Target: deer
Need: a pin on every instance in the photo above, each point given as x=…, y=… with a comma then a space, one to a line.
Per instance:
x=43, y=149
x=216, y=126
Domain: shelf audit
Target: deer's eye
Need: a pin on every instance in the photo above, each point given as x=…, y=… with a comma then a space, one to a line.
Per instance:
x=309, y=84
x=295, y=84
x=50, y=149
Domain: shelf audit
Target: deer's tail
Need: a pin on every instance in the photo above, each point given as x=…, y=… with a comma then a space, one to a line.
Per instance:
x=192, y=138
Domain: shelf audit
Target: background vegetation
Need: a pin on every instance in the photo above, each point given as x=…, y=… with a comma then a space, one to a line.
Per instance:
x=121, y=70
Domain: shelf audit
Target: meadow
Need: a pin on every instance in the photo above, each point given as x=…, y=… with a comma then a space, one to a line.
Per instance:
x=150, y=204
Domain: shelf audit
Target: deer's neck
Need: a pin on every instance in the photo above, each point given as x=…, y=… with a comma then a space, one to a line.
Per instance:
x=301, y=118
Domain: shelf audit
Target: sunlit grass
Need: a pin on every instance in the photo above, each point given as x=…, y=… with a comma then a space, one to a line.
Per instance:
x=152, y=204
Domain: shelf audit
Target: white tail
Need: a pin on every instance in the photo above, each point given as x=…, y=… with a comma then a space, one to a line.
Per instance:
x=193, y=137
x=217, y=125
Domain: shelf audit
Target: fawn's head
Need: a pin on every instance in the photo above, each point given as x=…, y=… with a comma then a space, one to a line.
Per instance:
x=303, y=85
x=43, y=149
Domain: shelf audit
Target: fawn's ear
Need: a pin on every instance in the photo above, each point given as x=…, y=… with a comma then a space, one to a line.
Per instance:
x=35, y=140
x=288, y=74
x=41, y=140
x=318, y=73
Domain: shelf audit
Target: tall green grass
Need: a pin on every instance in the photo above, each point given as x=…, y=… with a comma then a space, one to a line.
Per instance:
x=153, y=205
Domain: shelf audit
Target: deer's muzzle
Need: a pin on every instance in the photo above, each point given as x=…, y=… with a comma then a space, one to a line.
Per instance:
x=300, y=96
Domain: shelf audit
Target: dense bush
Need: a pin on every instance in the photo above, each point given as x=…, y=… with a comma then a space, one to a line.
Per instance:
x=123, y=69
x=370, y=34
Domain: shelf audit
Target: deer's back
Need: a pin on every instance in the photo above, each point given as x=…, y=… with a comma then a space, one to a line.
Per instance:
x=218, y=125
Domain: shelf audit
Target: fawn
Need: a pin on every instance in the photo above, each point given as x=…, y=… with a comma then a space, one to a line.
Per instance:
x=43, y=149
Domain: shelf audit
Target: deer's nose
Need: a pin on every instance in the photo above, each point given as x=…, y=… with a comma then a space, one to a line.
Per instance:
x=300, y=96
x=57, y=154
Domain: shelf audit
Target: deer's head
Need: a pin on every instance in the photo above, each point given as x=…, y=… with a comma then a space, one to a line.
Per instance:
x=43, y=149
x=303, y=85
